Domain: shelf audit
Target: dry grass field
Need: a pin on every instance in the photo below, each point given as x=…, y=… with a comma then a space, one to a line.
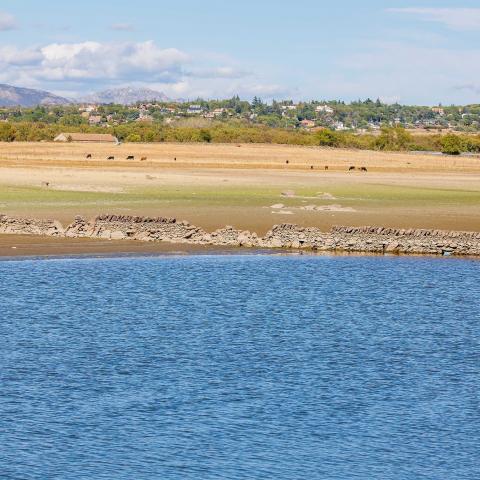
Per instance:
x=248, y=186
x=228, y=155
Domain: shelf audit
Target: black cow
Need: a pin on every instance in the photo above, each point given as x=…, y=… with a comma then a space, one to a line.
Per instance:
x=363, y=169
x=351, y=168
x=111, y=158
x=130, y=157
x=89, y=155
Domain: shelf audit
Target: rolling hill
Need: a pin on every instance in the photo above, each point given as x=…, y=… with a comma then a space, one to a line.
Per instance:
x=11, y=96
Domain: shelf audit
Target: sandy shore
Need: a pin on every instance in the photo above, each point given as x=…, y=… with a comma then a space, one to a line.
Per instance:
x=15, y=246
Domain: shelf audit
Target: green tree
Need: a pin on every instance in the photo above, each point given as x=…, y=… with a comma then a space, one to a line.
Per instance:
x=452, y=144
x=327, y=138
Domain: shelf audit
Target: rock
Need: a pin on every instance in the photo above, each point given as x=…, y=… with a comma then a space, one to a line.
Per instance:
x=276, y=243
x=352, y=239
x=326, y=196
x=392, y=247
x=118, y=236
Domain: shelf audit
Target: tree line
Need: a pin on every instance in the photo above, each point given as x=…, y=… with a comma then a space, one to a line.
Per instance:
x=389, y=138
x=361, y=114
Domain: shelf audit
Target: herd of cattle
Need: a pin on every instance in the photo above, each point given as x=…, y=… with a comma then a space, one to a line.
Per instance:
x=89, y=156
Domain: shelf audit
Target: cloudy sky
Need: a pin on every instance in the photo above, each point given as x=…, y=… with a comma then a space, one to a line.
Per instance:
x=408, y=51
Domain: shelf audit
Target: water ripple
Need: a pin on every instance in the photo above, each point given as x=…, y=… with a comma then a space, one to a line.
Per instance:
x=240, y=368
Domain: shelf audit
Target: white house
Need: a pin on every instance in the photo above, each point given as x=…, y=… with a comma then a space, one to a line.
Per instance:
x=439, y=111
x=195, y=109
x=339, y=126
x=324, y=109
x=95, y=119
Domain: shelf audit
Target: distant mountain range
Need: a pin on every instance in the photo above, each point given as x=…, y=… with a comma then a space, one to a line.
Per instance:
x=27, y=97
x=127, y=96
x=11, y=96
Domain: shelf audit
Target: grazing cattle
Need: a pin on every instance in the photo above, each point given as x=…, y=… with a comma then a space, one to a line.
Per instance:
x=326, y=167
x=175, y=159
x=130, y=157
x=111, y=157
x=287, y=162
x=89, y=155
x=351, y=168
x=45, y=184
x=311, y=167
x=363, y=169
x=143, y=159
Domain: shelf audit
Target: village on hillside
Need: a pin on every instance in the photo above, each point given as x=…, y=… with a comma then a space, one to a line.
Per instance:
x=360, y=117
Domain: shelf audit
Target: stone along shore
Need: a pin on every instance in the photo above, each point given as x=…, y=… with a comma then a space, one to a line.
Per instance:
x=287, y=236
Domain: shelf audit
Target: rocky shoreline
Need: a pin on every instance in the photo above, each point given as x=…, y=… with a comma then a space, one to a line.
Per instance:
x=375, y=240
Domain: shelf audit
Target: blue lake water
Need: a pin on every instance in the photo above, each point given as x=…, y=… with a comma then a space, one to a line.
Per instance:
x=240, y=367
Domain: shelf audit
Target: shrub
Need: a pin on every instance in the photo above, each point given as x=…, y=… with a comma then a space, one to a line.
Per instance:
x=205, y=135
x=134, y=138
x=394, y=139
x=452, y=144
x=327, y=138
x=7, y=132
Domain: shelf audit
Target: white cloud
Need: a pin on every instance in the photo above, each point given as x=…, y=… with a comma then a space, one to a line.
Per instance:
x=219, y=72
x=417, y=74
x=7, y=22
x=454, y=18
x=246, y=88
x=13, y=57
x=192, y=88
x=103, y=61
x=267, y=90
x=93, y=62
x=88, y=66
x=469, y=87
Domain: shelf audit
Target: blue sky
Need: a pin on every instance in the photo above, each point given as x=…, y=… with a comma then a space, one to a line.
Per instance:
x=408, y=51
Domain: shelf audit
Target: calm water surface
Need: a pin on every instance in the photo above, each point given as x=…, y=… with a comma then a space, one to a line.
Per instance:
x=240, y=367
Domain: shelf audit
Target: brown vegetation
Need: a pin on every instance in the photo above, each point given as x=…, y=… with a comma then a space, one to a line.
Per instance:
x=388, y=139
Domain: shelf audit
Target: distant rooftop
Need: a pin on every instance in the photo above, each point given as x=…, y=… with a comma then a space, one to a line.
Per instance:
x=86, y=137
